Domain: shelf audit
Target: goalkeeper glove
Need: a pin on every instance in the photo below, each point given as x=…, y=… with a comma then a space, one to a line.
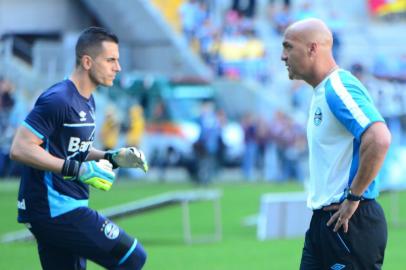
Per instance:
x=129, y=157
x=98, y=174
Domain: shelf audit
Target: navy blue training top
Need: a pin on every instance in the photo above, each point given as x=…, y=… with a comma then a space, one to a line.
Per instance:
x=65, y=121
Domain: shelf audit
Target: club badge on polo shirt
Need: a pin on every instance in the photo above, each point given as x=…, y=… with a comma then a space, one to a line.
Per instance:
x=111, y=230
x=318, y=117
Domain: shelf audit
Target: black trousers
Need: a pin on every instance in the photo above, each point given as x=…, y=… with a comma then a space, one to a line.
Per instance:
x=361, y=248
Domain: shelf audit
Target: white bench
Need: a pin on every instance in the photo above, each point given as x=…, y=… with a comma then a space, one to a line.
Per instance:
x=283, y=215
x=157, y=202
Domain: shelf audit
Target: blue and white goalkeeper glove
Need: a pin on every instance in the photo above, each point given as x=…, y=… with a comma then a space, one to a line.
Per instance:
x=98, y=174
x=129, y=157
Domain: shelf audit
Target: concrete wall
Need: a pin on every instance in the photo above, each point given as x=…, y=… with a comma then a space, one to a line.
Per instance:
x=148, y=43
x=42, y=16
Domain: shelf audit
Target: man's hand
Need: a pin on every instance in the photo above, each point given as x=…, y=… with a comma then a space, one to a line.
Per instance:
x=129, y=157
x=345, y=210
x=97, y=174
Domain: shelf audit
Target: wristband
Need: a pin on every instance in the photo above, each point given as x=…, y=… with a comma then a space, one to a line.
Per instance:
x=109, y=156
x=70, y=168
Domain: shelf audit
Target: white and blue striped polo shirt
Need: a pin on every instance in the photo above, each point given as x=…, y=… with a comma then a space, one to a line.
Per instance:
x=341, y=110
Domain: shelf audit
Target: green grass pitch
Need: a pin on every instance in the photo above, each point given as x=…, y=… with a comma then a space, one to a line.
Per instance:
x=161, y=232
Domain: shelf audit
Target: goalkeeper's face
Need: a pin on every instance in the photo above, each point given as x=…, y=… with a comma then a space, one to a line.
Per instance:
x=105, y=64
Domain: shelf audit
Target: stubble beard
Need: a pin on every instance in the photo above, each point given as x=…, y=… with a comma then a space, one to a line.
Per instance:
x=291, y=74
x=96, y=81
x=93, y=79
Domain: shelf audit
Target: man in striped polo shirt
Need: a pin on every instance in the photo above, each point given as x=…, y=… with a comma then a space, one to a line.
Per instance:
x=348, y=140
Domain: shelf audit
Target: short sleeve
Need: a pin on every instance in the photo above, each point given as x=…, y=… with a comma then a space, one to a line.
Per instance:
x=351, y=104
x=46, y=116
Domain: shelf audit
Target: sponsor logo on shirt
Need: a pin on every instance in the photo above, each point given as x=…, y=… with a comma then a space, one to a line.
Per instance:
x=21, y=204
x=75, y=144
x=318, y=117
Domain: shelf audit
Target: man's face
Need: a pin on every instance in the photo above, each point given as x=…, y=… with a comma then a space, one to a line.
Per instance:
x=295, y=56
x=105, y=65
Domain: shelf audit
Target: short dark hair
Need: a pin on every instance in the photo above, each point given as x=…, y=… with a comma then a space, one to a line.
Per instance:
x=90, y=40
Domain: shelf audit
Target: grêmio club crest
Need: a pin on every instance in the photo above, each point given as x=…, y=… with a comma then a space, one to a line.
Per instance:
x=318, y=116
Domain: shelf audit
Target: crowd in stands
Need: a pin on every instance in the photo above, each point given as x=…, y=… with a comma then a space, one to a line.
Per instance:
x=274, y=148
x=274, y=145
x=390, y=68
x=281, y=15
x=232, y=47
x=390, y=98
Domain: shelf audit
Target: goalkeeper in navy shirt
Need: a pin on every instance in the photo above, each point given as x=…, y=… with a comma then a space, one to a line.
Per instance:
x=55, y=144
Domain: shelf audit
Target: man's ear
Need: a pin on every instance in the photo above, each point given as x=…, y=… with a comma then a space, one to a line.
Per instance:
x=312, y=48
x=86, y=62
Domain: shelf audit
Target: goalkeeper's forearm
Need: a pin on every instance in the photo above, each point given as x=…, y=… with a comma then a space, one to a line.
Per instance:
x=95, y=154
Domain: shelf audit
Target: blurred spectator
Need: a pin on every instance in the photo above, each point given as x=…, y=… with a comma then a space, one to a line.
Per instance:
x=281, y=18
x=110, y=129
x=231, y=23
x=215, y=61
x=159, y=112
x=207, y=146
x=136, y=126
x=272, y=4
x=189, y=16
x=402, y=68
x=249, y=125
x=202, y=13
x=263, y=141
x=336, y=25
x=289, y=137
x=254, y=63
x=193, y=15
x=244, y=8
x=387, y=94
x=7, y=128
x=305, y=11
x=221, y=153
x=357, y=69
x=390, y=68
x=300, y=96
x=205, y=35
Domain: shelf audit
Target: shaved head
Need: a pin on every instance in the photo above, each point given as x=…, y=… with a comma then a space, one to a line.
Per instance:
x=311, y=30
x=307, y=50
